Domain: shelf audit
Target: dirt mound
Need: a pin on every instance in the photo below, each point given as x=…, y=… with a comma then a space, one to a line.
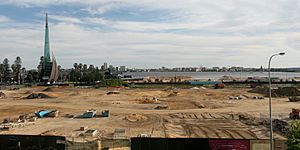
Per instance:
x=194, y=88
x=173, y=93
x=2, y=95
x=251, y=120
x=287, y=91
x=113, y=92
x=147, y=100
x=74, y=94
x=37, y=95
x=260, y=90
x=27, y=92
x=294, y=98
x=280, y=92
x=160, y=107
x=135, y=117
x=48, y=89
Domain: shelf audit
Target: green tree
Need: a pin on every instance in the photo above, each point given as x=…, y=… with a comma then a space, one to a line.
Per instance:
x=80, y=66
x=32, y=76
x=293, y=141
x=40, y=67
x=75, y=74
x=16, y=68
x=85, y=67
x=1, y=72
x=75, y=65
x=6, y=71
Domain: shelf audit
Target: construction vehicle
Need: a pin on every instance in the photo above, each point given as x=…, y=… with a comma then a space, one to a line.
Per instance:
x=219, y=86
x=294, y=114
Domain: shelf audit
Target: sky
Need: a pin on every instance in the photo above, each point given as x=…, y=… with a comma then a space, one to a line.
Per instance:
x=153, y=33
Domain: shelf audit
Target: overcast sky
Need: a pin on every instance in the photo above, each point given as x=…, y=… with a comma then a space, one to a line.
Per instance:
x=153, y=33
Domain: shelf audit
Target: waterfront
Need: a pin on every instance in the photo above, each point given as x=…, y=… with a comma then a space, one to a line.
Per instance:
x=214, y=75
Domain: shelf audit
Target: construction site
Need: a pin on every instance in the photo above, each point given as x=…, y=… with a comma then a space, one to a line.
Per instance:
x=84, y=114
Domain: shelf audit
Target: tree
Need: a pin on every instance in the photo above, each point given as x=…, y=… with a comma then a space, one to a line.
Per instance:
x=16, y=68
x=32, y=76
x=91, y=67
x=6, y=70
x=60, y=77
x=80, y=66
x=85, y=67
x=75, y=65
x=1, y=72
x=293, y=141
x=40, y=67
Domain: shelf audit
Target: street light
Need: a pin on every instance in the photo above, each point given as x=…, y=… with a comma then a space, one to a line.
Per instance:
x=270, y=99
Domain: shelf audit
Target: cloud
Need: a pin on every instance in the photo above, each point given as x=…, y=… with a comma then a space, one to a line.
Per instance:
x=73, y=43
x=4, y=19
x=155, y=33
x=65, y=19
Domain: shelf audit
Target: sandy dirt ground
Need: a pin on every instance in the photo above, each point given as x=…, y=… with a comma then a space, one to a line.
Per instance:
x=203, y=112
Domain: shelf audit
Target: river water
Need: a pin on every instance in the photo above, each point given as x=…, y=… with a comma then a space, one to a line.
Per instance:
x=214, y=75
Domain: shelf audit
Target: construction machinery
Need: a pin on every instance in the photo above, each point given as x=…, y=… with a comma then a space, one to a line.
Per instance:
x=219, y=86
x=294, y=114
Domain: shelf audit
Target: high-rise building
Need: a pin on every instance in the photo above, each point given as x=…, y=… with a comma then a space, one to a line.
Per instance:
x=111, y=67
x=122, y=69
x=105, y=66
x=49, y=68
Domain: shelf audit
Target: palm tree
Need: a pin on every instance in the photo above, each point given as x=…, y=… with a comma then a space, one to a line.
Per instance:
x=85, y=67
x=80, y=66
x=75, y=65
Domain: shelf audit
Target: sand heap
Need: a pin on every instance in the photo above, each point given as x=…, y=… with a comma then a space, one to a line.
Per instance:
x=280, y=92
x=135, y=117
x=2, y=95
x=287, y=91
x=113, y=92
x=160, y=107
x=173, y=93
x=37, y=95
x=48, y=89
x=260, y=89
x=147, y=100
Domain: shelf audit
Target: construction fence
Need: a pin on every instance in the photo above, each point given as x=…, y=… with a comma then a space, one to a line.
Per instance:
x=203, y=144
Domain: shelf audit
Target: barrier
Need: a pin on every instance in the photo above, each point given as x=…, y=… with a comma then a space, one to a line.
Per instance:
x=32, y=142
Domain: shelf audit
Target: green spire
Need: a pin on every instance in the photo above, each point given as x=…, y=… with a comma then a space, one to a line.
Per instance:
x=46, y=47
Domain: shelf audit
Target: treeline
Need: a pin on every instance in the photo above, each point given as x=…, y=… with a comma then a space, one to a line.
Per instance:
x=84, y=73
x=80, y=73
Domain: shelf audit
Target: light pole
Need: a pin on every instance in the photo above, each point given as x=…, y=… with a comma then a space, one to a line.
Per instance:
x=270, y=99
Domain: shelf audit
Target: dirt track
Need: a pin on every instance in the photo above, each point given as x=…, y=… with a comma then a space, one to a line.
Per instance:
x=183, y=117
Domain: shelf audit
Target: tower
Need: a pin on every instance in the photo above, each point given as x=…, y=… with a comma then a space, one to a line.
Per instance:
x=47, y=44
x=49, y=68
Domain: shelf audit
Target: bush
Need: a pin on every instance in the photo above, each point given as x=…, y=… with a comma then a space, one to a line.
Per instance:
x=113, y=82
x=293, y=141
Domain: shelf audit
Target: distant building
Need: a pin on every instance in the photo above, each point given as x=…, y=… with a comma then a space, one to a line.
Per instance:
x=105, y=66
x=215, y=68
x=111, y=68
x=122, y=69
